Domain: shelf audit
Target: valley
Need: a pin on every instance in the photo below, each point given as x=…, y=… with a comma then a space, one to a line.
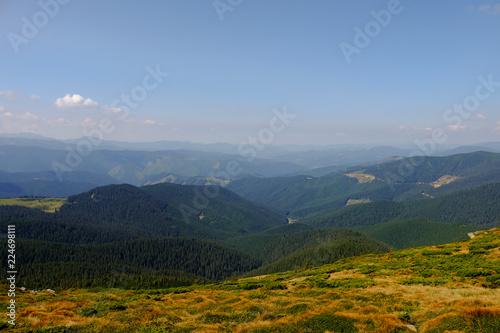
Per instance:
x=357, y=249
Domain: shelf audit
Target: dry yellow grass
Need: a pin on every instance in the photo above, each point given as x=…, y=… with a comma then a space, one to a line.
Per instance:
x=386, y=304
x=445, y=180
x=49, y=205
x=361, y=177
x=379, y=305
x=351, y=202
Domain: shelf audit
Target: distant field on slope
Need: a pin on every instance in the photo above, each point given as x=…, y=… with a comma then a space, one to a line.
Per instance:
x=49, y=205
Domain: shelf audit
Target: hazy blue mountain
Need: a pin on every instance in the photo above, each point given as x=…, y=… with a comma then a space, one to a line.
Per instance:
x=135, y=167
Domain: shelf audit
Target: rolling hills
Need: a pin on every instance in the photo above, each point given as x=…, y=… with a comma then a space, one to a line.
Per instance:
x=281, y=242
x=414, y=232
x=25, y=170
x=479, y=206
x=145, y=212
x=399, y=180
x=142, y=233
x=276, y=257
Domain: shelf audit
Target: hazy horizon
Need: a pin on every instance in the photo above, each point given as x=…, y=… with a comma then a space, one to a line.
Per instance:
x=380, y=73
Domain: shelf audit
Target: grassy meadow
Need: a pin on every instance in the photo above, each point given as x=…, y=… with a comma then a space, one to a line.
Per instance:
x=49, y=205
x=447, y=288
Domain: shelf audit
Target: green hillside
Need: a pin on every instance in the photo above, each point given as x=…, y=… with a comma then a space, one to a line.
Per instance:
x=326, y=248
x=281, y=242
x=449, y=288
x=132, y=264
x=402, y=234
x=479, y=206
x=215, y=209
x=430, y=177
x=120, y=212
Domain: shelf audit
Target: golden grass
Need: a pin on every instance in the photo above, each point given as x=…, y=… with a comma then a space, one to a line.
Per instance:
x=382, y=306
x=444, y=180
x=361, y=177
x=351, y=202
x=375, y=309
x=49, y=205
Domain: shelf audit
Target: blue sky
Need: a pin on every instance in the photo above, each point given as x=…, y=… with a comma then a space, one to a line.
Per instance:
x=229, y=67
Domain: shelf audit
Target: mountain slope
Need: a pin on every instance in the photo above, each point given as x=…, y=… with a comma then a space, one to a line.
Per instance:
x=120, y=212
x=323, y=247
x=277, y=243
x=215, y=208
x=402, y=234
x=136, y=263
x=479, y=206
x=450, y=288
x=397, y=180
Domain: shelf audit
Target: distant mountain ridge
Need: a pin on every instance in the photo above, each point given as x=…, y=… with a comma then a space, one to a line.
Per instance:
x=177, y=162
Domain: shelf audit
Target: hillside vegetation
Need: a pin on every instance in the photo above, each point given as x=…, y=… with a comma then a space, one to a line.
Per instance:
x=479, y=206
x=449, y=288
x=402, y=234
x=121, y=212
x=48, y=205
x=399, y=180
x=132, y=264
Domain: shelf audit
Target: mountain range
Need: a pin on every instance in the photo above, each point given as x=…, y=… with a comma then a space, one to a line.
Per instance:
x=41, y=166
x=254, y=224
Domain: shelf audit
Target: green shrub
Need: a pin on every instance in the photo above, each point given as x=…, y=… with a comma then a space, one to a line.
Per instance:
x=297, y=308
x=275, y=286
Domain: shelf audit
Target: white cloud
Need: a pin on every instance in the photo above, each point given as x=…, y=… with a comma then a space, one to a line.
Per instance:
x=428, y=128
x=8, y=94
x=75, y=102
x=487, y=9
x=456, y=127
x=35, y=97
x=89, y=123
x=1, y=108
x=7, y=114
x=110, y=110
x=480, y=117
x=150, y=122
x=29, y=116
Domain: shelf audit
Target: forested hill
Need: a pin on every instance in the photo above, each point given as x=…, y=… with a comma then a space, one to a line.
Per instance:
x=322, y=247
x=132, y=264
x=479, y=206
x=397, y=180
x=278, y=243
x=120, y=212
